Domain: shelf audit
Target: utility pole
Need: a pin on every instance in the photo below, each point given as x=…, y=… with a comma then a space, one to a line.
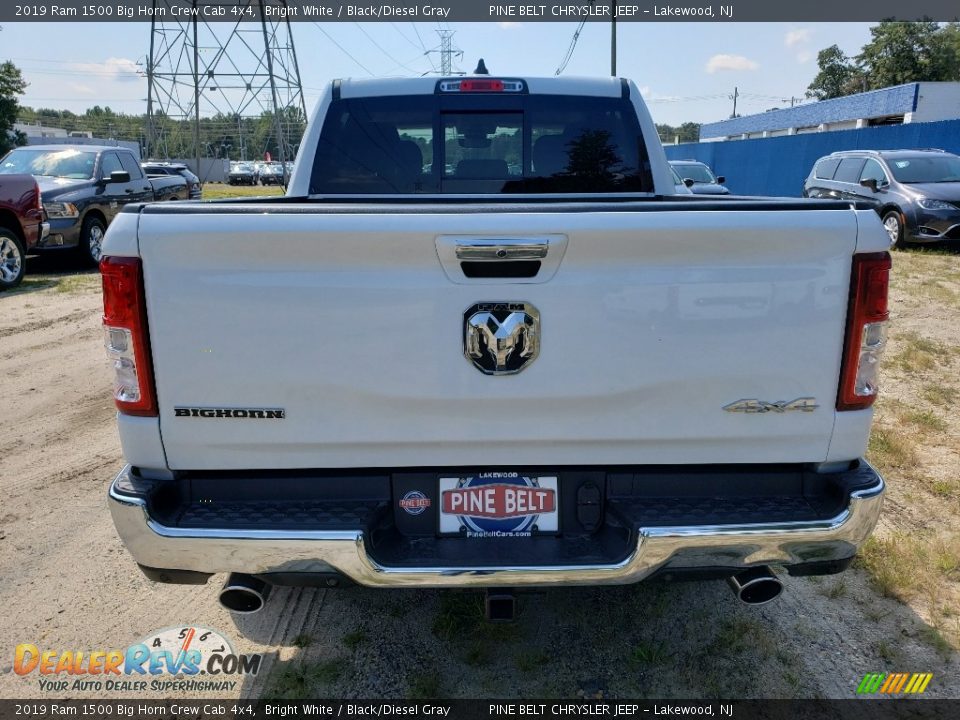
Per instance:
x=240, y=134
x=736, y=94
x=196, y=93
x=613, y=38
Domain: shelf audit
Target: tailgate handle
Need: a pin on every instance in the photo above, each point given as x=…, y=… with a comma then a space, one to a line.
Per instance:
x=500, y=250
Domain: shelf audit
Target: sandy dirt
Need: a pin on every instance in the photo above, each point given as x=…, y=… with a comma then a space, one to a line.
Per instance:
x=68, y=584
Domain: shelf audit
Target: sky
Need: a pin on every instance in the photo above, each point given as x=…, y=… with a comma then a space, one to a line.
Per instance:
x=686, y=71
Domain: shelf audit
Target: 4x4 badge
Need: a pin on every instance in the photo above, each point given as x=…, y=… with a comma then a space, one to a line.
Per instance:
x=805, y=404
x=501, y=338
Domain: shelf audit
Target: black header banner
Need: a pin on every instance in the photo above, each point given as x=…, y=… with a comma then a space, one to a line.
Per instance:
x=475, y=11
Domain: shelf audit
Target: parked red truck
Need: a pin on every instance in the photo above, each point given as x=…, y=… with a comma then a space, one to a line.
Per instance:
x=23, y=224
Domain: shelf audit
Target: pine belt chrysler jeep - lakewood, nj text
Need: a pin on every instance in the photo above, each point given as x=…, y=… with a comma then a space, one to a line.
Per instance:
x=483, y=342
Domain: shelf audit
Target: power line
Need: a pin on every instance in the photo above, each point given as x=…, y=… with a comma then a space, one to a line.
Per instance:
x=400, y=33
x=571, y=48
x=343, y=49
x=381, y=49
x=695, y=98
x=423, y=46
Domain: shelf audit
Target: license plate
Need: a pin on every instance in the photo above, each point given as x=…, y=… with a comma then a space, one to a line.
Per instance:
x=499, y=504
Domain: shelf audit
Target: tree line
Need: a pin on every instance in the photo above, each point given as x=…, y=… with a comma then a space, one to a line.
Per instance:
x=225, y=136
x=898, y=53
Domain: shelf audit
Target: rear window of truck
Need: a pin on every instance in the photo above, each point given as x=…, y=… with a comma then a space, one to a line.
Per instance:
x=480, y=144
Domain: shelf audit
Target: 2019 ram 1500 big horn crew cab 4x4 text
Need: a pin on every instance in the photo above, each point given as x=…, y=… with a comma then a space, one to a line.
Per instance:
x=482, y=342
x=84, y=187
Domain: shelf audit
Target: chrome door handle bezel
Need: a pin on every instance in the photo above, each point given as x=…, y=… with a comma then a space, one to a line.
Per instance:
x=492, y=250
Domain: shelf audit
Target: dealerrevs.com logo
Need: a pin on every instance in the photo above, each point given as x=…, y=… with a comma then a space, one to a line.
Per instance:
x=183, y=658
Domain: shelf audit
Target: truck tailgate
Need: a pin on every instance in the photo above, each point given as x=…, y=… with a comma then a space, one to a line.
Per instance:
x=652, y=324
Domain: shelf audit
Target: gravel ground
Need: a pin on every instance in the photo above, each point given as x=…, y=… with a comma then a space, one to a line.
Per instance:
x=68, y=583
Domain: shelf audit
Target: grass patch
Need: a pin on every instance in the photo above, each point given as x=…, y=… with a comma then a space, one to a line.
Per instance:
x=875, y=614
x=330, y=671
x=940, y=395
x=946, y=557
x=887, y=651
x=943, y=488
x=462, y=615
x=936, y=291
x=920, y=354
x=302, y=640
x=78, y=283
x=737, y=635
x=424, y=686
x=916, y=565
x=836, y=590
x=890, y=449
x=935, y=639
x=459, y=615
x=892, y=564
x=648, y=654
x=478, y=654
x=461, y=621
x=217, y=191
x=791, y=679
x=355, y=639
x=531, y=661
x=298, y=680
x=925, y=419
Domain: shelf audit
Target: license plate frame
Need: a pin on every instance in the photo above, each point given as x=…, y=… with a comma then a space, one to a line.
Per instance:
x=498, y=504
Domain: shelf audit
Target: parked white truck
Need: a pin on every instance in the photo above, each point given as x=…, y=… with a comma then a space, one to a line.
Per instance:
x=482, y=342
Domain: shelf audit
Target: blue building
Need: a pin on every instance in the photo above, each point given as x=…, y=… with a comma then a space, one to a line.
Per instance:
x=898, y=105
x=771, y=153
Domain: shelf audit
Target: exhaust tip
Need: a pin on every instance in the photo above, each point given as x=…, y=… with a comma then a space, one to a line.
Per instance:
x=244, y=594
x=756, y=586
x=500, y=606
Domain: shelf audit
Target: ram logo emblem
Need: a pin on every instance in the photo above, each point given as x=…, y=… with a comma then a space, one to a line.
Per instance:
x=501, y=338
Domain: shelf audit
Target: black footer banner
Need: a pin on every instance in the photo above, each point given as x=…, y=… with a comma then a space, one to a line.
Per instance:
x=860, y=709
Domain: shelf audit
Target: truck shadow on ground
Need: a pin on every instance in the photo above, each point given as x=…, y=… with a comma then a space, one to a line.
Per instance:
x=654, y=640
x=61, y=270
x=947, y=247
x=57, y=263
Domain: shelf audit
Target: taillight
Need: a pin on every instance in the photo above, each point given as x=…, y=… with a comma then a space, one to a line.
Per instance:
x=866, y=336
x=127, y=341
x=481, y=85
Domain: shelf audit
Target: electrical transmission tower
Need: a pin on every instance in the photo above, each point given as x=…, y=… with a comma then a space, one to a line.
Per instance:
x=447, y=51
x=237, y=82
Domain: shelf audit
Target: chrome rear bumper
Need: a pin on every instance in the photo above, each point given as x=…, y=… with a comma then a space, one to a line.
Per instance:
x=210, y=550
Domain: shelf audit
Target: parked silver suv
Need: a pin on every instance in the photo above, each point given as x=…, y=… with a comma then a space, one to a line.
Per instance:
x=916, y=192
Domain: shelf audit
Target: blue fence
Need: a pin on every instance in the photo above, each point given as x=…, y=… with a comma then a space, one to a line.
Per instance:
x=778, y=166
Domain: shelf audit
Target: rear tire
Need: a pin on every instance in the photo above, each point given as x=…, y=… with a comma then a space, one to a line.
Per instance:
x=91, y=240
x=893, y=224
x=12, y=259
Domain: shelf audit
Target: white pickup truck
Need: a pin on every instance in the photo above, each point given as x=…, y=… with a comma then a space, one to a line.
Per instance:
x=483, y=342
